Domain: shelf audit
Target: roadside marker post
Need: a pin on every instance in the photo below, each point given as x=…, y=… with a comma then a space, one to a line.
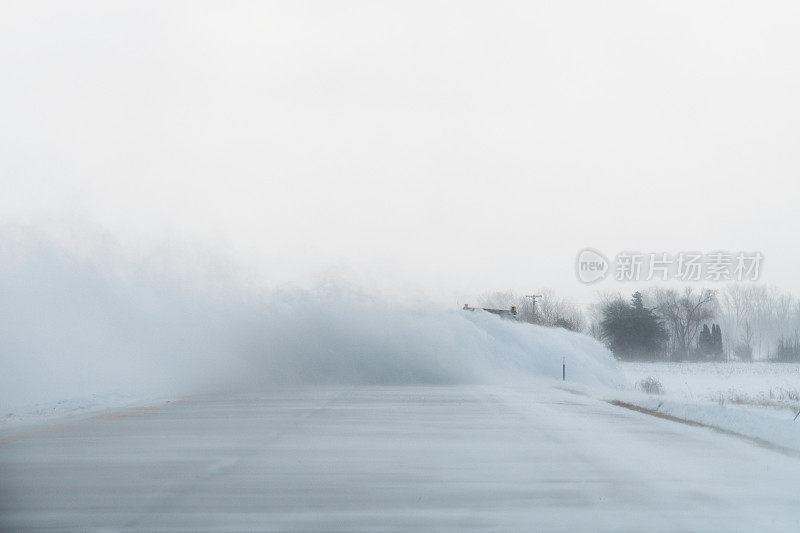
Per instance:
x=563, y=369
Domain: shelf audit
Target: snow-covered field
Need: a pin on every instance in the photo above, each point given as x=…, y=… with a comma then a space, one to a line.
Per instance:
x=763, y=384
x=757, y=400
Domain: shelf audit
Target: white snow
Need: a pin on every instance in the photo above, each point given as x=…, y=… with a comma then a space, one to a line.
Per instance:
x=735, y=382
x=24, y=417
x=78, y=331
x=757, y=400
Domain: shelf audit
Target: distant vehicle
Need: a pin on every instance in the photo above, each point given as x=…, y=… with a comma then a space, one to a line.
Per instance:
x=510, y=314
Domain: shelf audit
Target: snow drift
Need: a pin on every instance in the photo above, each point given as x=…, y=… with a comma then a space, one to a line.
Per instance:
x=307, y=337
x=71, y=326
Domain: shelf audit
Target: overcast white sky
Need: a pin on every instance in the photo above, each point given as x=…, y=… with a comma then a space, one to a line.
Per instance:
x=444, y=148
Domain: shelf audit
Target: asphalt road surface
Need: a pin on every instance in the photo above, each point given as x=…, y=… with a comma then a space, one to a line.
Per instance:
x=392, y=458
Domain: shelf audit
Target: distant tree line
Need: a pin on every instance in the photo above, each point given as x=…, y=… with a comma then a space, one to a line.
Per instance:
x=738, y=322
x=759, y=323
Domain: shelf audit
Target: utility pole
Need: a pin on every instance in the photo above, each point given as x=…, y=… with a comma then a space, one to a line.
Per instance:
x=533, y=299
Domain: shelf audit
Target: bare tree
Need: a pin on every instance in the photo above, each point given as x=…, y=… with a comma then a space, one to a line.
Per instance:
x=744, y=349
x=756, y=318
x=551, y=310
x=559, y=312
x=684, y=313
x=499, y=299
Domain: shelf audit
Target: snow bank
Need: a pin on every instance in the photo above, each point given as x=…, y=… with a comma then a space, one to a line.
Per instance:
x=72, y=408
x=774, y=426
x=71, y=327
x=322, y=339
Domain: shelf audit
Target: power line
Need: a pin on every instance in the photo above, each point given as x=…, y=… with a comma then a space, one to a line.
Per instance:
x=533, y=299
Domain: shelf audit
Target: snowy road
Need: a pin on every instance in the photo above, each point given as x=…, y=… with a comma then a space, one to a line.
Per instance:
x=446, y=458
